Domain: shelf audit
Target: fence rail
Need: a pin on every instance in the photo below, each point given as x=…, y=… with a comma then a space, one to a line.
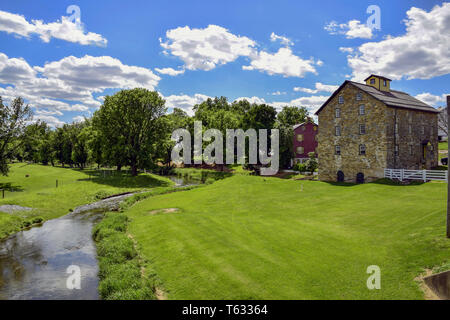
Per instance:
x=424, y=175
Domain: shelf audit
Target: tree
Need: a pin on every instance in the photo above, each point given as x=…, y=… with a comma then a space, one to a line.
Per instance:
x=129, y=122
x=13, y=119
x=290, y=116
x=259, y=116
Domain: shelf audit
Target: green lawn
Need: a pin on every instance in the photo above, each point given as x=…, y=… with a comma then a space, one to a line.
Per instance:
x=443, y=145
x=75, y=187
x=248, y=237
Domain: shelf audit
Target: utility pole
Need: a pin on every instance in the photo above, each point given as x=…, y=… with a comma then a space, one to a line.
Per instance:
x=448, y=176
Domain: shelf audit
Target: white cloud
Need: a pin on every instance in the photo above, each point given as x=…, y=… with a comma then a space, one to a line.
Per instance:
x=184, y=101
x=283, y=62
x=346, y=49
x=204, y=49
x=78, y=119
x=277, y=93
x=431, y=99
x=311, y=103
x=50, y=120
x=284, y=40
x=421, y=53
x=320, y=87
x=352, y=29
x=253, y=99
x=170, y=71
x=69, y=84
x=63, y=29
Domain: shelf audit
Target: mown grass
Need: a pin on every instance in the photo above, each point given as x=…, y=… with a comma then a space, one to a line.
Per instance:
x=119, y=265
x=250, y=237
x=443, y=145
x=34, y=186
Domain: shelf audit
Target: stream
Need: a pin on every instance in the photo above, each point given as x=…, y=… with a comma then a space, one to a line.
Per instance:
x=34, y=264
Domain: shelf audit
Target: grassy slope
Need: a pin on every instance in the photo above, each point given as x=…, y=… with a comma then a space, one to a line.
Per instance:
x=249, y=237
x=75, y=188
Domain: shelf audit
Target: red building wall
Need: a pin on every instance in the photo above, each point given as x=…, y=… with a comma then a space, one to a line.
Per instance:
x=309, y=131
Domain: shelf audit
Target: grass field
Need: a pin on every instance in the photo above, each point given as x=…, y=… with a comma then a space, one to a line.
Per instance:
x=443, y=145
x=249, y=237
x=75, y=187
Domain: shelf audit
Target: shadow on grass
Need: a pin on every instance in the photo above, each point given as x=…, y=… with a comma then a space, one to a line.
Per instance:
x=390, y=182
x=9, y=187
x=122, y=179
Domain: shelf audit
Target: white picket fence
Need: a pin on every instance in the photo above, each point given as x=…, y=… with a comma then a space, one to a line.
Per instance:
x=424, y=175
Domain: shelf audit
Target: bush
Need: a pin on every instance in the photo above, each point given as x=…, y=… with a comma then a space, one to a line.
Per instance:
x=119, y=267
x=300, y=167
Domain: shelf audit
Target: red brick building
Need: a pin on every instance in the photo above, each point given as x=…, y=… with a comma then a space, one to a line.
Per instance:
x=305, y=140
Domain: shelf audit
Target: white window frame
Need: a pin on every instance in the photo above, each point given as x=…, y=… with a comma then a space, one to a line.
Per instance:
x=359, y=96
x=362, y=128
x=362, y=149
x=337, y=131
x=337, y=113
x=337, y=150
x=362, y=110
x=341, y=99
x=302, y=148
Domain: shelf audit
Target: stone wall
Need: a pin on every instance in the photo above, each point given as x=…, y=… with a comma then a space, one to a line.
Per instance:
x=411, y=139
x=350, y=162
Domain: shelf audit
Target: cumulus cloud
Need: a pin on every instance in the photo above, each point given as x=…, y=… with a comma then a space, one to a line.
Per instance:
x=421, y=53
x=253, y=99
x=320, y=87
x=283, y=62
x=69, y=84
x=352, y=29
x=204, y=49
x=432, y=99
x=185, y=101
x=52, y=121
x=78, y=119
x=63, y=29
x=170, y=71
x=346, y=49
x=284, y=40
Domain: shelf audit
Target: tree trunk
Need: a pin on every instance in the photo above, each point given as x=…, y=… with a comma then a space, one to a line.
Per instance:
x=119, y=167
x=448, y=180
x=133, y=170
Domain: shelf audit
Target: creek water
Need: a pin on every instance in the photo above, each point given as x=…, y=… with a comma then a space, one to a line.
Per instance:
x=34, y=263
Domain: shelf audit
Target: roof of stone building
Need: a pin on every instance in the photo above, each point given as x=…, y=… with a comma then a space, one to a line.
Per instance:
x=392, y=98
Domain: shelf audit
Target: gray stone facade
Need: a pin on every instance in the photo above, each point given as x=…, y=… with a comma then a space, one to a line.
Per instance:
x=368, y=137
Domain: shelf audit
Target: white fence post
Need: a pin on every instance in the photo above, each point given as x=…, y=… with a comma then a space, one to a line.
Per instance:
x=424, y=175
x=402, y=173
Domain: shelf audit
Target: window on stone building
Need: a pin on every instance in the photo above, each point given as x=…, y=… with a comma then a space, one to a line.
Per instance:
x=410, y=129
x=362, y=129
x=338, y=131
x=337, y=150
x=362, y=149
x=300, y=150
x=422, y=131
x=299, y=137
x=411, y=150
x=359, y=96
x=341, y=99
x=396, y=150
x=362, y=110
x=338, y=112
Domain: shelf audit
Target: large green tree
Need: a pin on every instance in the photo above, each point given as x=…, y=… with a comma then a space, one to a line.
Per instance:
x=13, y=119
x=129, y=123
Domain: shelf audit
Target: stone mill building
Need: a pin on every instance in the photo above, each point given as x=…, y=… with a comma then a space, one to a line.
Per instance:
x=365, y=128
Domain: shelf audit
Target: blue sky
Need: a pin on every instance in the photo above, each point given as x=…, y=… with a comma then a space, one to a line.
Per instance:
x=279, y=52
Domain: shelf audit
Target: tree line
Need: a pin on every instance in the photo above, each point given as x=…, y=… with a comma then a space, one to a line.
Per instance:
x=132, y=128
